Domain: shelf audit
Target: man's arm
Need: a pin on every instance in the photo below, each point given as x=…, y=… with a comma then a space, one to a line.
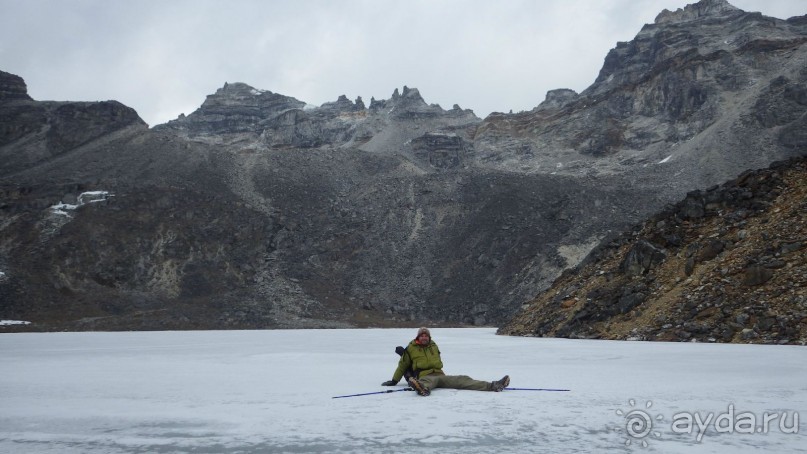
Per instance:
x=403, y=364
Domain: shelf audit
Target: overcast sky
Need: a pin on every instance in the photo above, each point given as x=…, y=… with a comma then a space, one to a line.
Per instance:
x=163, y=57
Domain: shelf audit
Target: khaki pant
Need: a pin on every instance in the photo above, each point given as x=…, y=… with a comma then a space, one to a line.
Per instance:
x=432, y=381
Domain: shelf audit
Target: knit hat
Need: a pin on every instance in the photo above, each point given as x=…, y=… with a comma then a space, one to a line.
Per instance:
x=423, y=330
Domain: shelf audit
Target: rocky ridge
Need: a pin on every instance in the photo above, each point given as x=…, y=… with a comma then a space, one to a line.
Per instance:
x=723, y=265
x=687, y=88
x=241, y=115
x=33, y=132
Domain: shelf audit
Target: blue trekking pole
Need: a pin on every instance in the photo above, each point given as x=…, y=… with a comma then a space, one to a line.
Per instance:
x=536, y=389
x=369, y=394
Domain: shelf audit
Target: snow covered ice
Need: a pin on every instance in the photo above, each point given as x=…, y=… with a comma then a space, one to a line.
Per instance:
x=271, y=391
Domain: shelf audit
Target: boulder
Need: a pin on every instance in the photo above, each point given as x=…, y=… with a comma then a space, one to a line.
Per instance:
x=641, y=258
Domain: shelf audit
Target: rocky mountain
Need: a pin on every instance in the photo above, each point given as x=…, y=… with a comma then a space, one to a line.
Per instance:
x=710, y=90
x=727, y=264
x=35, y=132
x=243, y=116
x=259, y=210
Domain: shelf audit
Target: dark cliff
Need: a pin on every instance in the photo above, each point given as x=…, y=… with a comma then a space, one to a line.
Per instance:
x=33, y=132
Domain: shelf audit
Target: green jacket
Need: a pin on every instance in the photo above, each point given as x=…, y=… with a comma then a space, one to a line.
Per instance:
x=424, y=360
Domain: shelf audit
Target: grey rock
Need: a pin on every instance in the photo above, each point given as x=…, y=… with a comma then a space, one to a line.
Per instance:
x=748, y=333
x=443, y=150
x=787, y=248
x=629, y=302
x=643, y=257
x=766, y=323
x=558, y=98
x=756, y=275
x=700, y=10
x=711, y=250
x=12, y=87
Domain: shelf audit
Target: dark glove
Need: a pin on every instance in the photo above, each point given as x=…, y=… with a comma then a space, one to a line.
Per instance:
x=389, y=383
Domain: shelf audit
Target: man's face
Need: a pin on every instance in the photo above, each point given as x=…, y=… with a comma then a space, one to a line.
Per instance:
x=423, y=339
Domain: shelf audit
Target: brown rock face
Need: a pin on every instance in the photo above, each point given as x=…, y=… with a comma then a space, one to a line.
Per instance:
x=737, y=273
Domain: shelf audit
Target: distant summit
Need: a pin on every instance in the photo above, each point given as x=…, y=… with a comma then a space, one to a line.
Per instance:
x=36, y=132
x=262, y=118
x=704, y=8
x=12, y=87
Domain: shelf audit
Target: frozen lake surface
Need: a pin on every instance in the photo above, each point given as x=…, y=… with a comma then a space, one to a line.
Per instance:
x=271, y=391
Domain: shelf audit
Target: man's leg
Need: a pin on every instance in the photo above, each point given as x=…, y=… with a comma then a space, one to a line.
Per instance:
x=431, y=381
x=460, y=382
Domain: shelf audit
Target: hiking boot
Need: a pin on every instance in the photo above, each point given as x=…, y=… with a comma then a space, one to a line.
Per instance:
x=499, y=385
x=418, y=386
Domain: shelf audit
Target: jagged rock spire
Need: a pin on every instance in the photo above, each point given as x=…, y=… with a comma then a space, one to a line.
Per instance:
x=12, y=87
x=697, y=10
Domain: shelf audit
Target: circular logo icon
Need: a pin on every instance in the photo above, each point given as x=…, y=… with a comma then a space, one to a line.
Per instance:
x=638, y=424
